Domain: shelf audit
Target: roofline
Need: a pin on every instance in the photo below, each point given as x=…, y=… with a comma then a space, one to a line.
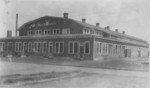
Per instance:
x=97, y=28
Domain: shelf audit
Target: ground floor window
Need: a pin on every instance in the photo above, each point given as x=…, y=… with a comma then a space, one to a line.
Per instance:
x=18, y=46
x=109, y=48
x=87, y=47
x=59, y=47
x=2, y=44
x=24, y=47
x=37, y=47
x=10, y=46
x=30, y=47
x=44, y=47
x=73, y=47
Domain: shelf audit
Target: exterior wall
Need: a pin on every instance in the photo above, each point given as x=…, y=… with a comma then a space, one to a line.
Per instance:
x=81, y=41
x=126, y=50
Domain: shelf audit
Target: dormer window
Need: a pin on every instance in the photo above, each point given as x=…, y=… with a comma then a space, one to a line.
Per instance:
x=46, y=23
x=86, y=31
x=66, y=31
x=45, y=32
x=29, y=33
x=38, y=24
x=33, y=25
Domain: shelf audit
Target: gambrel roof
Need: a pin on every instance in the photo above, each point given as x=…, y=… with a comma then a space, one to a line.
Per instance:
x=110, y=32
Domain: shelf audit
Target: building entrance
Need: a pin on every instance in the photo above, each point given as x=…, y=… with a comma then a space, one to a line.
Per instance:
x=81, y=51
x=50, y=49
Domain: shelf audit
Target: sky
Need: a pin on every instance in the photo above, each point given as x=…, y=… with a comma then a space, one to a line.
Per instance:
x=131, y=16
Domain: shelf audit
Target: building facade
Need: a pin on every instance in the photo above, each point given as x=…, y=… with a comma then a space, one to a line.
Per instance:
x=65, y=37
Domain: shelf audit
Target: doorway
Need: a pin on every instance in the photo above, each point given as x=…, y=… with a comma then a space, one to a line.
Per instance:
x=81, y=51
x=50, y=49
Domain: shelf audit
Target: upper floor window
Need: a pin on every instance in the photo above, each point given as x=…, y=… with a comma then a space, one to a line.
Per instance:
x=2, y=44
x=56, y=31
x=38, y=32
x=45, y=32
x=66, y=31
x=73, y=47
x=86, y=31
x=91, y=32
x=46, y=23
x=28, y=32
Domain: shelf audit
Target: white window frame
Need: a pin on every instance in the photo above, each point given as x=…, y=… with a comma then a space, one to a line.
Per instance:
x=59, y=47
x=24, y=43
x=73, y=50
x=2, y=46
x=85, y=47
x=29, y=48
x=36, y=48
x=45, y=32
x=29, y=33
x=17, y=48
x=66, y=31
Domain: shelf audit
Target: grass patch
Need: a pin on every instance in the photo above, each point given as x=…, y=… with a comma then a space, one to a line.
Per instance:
x=15, y=78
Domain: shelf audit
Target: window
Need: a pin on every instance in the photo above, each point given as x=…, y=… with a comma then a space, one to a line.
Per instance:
x=86, y=31
x=66, y=31
x=109, y=48
x=28, y=32
x=87, y=47
x=2, y=45
x=38, y=32
x=44, y=47
x=30, y=47
x=10, y=46
x=56, y=31
x=59, y=47
x=97, y=48
x=32, y=32
x=24, y=46
x=115, y=49
x=18, y=46
x=37, y=47
x=49, y=32
x=45, y=32
x=73, y=47
x=46, y=23
x=100, y=49
x=104, y=48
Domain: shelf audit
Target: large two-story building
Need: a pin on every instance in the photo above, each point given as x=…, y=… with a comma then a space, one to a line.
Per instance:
x=65, y=37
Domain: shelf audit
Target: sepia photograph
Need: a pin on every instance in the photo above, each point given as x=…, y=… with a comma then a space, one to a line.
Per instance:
x=74, y=43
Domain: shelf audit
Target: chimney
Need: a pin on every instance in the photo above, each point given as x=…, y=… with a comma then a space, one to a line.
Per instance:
x=66, y=15
x=16, y=23
x=97, y=24
x=123, y=32
x=84, y=20
x=116, y=30
x=107, y=27
x=9, y=33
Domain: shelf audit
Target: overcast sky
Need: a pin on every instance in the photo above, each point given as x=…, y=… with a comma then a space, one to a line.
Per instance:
x=131, y=16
